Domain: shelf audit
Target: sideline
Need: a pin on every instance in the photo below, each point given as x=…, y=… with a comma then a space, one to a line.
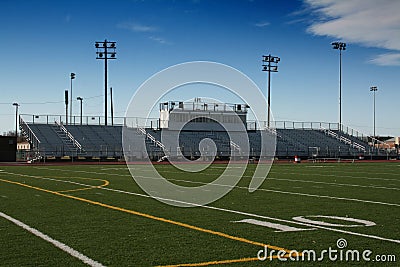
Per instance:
x=54, y=242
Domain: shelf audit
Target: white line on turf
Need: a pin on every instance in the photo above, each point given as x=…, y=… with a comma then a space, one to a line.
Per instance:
x=341, y=171
x=293, y=173
x=280, y=179
x=241, y=187
x=54, y=242
x=262, y=216
x=335, y=175
x=319, y=166
x=241, y=213
x=280, y=172
x=335, y=184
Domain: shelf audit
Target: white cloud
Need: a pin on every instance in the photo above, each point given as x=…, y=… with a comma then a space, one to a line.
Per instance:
x=159, y=40
x=389, y=59
x=370, y=23
x=262, y=24
x=136, y=27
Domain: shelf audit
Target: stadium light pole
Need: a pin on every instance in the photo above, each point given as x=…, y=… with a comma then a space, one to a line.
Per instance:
x=112, y=106
x=374, y=89
x=270, y=64
x=72, y=75
x=105, y=51
x=340, y=46
x=16, y=118
x=80, y=99
x=66, y=106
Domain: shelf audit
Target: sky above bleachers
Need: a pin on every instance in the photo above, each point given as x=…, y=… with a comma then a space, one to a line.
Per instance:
x=42, y=42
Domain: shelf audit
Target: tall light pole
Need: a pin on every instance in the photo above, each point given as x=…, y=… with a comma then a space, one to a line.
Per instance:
x=72, y=75
x=104, y=49
x=340, y=46
x=270, y=64
x=374, y=89
x=80, y=99
x=112, y=107
x=66, y=106
x=16, y=118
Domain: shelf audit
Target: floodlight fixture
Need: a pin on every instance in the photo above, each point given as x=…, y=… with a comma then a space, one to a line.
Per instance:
x=80, y=99
x=105, y=51
x=340, y=46
x=270, y=65
x=72, y=76
x=374, y=89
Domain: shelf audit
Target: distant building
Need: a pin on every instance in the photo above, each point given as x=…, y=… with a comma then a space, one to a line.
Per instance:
x=23, y=146
x=392, y=142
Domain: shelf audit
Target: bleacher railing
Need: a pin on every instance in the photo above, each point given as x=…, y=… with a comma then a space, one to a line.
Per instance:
x=156, y=142
x=344, y=139
x=378, y=144
x=69, y=135
x=29, y=134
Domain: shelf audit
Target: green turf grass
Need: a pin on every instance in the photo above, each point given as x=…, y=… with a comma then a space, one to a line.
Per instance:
x=120, y=239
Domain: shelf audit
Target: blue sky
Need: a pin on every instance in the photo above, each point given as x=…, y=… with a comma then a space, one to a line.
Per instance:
x=43, y=41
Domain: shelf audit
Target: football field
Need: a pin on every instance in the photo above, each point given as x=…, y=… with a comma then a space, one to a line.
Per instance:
x=311, y=214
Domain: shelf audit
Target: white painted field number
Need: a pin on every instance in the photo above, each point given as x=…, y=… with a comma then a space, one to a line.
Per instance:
x=286, y=228
x=276, y=226
x=346, y=219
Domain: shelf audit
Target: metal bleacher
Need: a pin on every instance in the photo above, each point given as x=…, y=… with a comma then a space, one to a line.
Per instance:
x=99, y=141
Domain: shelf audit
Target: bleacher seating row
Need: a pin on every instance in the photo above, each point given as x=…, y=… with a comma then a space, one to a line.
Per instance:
x=106, y=141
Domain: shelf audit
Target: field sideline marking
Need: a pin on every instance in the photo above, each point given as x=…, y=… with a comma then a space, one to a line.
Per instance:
x=316, y=182
x=345, y=176
x=207, y=174
x=105, y=183
x=241, y=187
x=311, y=181
x=145, y=215
x=335, y=184
x=287, y=192
x=286, y=179
x=254, y=215
x=54, y=242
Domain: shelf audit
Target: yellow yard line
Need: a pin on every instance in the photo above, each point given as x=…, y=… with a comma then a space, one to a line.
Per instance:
x=149, y=216
x=105, y=183
x=208, y=263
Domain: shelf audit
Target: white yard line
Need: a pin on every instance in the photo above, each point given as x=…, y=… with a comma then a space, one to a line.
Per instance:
x=326, y=183
x=336, y=176
x=290, y=180
x=299, y=174
x=259, y=189
x=54, y=242
x=347, y=171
